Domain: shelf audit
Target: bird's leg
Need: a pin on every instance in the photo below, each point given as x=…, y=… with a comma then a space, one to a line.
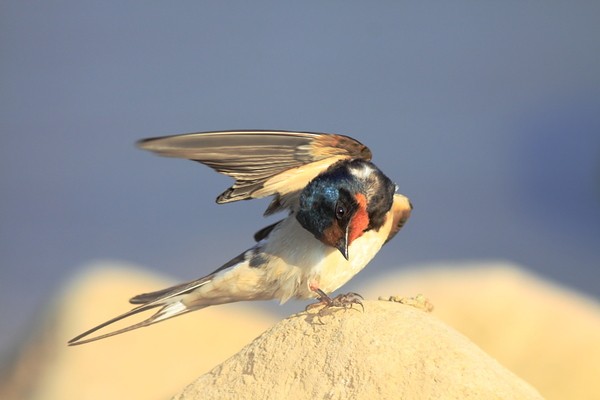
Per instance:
x=324, y=300
x=346, y=300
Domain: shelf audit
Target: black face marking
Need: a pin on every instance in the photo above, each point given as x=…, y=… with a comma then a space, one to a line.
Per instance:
x=344, y=208
x=381, y=200
x=340, y=211
x=326, y=201
x=330, y=197
x=379, y=191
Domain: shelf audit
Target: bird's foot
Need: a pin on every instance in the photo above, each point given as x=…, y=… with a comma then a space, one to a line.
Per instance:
x=345, y=301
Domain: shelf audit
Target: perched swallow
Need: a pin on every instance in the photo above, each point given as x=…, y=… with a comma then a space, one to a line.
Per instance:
x=341, y=210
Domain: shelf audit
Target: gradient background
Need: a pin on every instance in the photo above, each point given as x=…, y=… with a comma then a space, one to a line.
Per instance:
x=487, y=115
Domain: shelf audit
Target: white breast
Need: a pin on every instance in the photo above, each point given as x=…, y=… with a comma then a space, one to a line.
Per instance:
x=297, y=260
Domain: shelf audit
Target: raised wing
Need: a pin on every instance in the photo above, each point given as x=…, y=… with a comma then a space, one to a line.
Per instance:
x=401, y=209
x=263, y=163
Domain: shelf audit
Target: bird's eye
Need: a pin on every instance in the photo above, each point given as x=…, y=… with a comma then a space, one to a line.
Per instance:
x=340, y=211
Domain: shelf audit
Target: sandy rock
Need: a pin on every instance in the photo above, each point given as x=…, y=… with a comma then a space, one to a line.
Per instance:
x=149, y=363
x=389, y=351
x=545, y=334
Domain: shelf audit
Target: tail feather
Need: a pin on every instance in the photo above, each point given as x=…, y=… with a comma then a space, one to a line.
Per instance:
x=169, y=299
x=146, y=298
x=78, y=339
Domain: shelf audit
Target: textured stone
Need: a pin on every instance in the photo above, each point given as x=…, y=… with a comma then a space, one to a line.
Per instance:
x=389, y=351
x=544, y=333
x=148, y=363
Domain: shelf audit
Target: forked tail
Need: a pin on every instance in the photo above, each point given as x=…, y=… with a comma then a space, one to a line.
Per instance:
x=170, y=301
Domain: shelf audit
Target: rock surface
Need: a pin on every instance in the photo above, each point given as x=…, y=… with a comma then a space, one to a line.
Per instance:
x=546, y=334
x=148, y=363
x=389, y=351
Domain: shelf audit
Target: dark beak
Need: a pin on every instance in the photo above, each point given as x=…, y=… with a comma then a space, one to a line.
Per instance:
x=343, y=245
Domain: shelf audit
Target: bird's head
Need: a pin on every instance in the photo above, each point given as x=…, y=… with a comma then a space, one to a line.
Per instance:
x=334, y=206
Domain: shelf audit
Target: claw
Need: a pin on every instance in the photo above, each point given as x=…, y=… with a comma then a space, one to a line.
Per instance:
x=324, y=300
x=344, y=301
x=348, y=300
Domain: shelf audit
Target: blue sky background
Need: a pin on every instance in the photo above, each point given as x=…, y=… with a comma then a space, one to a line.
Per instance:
x=486, y=114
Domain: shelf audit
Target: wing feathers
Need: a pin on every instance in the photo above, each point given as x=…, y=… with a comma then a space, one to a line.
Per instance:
x=261, y=162
x=266, y=231
x=401, y=209
x=164, y=294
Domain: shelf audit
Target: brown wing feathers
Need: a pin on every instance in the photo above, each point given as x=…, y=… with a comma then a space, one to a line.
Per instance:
x=263, y=163
x=401, y=210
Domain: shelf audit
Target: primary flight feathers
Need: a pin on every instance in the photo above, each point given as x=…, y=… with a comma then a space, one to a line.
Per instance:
x=263, y=163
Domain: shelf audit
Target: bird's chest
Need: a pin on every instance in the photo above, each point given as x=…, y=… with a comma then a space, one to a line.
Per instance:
x=299, y=261
x=334, y=270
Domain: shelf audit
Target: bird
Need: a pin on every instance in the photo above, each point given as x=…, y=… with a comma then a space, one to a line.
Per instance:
x=341, y=209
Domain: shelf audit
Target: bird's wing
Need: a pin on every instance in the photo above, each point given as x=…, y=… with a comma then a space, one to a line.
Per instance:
x=266, y=231
x=401, y=209
x=263, y=163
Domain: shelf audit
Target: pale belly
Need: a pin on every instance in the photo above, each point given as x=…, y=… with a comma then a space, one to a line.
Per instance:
x=298, y=261
x=294, y=261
